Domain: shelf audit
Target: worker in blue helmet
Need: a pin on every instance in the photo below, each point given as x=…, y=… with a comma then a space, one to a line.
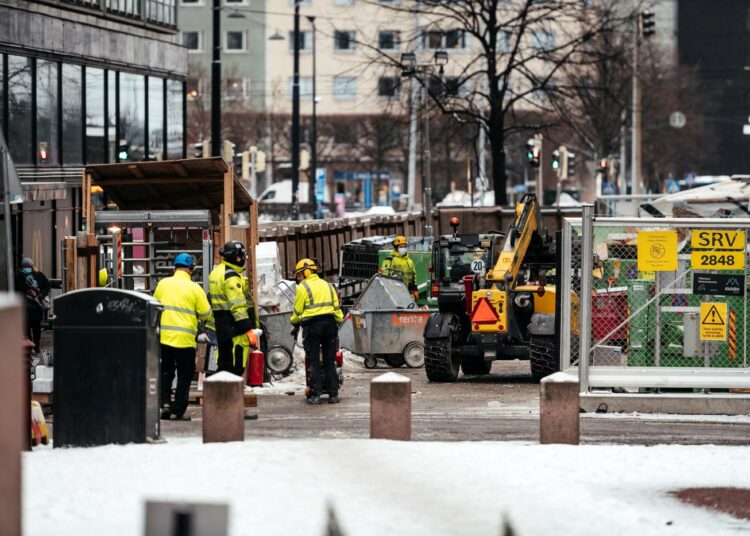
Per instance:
x=184, y=304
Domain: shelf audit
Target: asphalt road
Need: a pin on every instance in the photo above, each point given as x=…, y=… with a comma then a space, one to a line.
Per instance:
x=503, y=406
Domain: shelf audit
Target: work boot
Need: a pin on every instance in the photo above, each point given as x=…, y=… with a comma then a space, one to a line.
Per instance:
x=165, y=415
x=314, y=399
x=333, y=398
x=175, y=417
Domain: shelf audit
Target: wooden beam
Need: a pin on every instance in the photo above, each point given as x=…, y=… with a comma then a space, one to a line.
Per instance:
x=177, y=181
x=70, y=263
x=228, y=205
x=135, y=170
x=180, y=169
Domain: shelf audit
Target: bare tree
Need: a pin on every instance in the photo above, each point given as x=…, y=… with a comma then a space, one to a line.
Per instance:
x=518, y=52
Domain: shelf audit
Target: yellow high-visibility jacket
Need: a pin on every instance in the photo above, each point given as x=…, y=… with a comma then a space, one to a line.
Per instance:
x=315, y=297
x=184, y=304
x=401, y=267
x=231, y=301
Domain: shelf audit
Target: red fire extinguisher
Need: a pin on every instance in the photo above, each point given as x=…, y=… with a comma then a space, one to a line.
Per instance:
x=255, y=377
x=339, y=359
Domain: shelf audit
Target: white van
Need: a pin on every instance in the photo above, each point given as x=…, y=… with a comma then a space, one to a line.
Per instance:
x=281, y=192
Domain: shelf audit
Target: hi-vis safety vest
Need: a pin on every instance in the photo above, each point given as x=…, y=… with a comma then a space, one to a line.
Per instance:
x=184, y=304
x=315, y=297
x=401, y=267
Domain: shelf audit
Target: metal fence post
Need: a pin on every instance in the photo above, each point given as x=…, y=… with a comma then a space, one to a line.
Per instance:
x=565, y=278
x=587, y=266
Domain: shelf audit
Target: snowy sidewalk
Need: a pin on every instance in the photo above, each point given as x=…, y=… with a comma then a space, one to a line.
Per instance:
x=381, y=487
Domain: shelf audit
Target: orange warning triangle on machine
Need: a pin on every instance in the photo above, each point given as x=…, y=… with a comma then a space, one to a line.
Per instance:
x=484, y=313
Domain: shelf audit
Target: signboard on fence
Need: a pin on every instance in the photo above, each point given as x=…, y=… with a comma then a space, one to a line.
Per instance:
x=713, y=322
x=717, y=249
x=657, y=251
x=719, y=284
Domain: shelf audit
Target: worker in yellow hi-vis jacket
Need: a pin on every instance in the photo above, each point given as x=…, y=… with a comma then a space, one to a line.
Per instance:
x=234, y=310
x=184, y=304
x=317, y=310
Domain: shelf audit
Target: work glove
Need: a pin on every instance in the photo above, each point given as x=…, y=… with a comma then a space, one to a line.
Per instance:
x=202, y=337
x=415, y=294
x=295, y=332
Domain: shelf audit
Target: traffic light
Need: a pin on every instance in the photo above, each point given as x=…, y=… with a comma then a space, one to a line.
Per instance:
x=556, y=161
x=533, y=151
x=123, y=153
x=562, y=168
x=260, y=162
x=648, y=25
x=571, y=164
x=304, y=159
x=198, y=150
x=43, y=154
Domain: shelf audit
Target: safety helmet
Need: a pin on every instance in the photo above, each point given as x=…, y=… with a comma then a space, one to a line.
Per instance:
x=184, y=260
x=399, y=241
x=234, y=252
x=306, y=267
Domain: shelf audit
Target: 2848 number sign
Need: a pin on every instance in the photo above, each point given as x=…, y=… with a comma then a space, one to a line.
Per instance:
x=724, y=260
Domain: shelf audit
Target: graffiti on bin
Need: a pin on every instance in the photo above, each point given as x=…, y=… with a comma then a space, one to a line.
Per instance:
x=409, y=319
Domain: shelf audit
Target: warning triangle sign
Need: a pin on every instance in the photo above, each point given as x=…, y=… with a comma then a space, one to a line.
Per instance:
x=713, y=318
x=484, y=313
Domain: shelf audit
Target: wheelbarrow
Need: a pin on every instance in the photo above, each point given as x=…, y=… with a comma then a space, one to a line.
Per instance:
x=280, y=354
x=394, y=335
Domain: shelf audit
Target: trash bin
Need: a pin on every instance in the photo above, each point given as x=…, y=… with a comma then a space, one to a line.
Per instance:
x=106, y=373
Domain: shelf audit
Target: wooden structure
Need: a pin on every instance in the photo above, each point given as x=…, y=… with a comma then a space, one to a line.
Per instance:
x=194, y=184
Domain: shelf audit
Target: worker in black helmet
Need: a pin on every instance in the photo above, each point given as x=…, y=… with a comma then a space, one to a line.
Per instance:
x=234, y=311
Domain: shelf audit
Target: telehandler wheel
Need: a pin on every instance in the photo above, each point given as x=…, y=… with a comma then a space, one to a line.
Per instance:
x=544, y=361
x=442, y=361
x=473, y=362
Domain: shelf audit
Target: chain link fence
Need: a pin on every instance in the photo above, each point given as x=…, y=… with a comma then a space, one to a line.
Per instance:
x=656, y=303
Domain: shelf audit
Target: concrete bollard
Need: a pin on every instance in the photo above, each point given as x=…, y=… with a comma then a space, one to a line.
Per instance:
x=15, y=422
x=390, y=407
x=559, y=419
x=223, y=408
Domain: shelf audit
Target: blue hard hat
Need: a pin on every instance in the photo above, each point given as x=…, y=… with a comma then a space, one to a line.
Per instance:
x=184, y=260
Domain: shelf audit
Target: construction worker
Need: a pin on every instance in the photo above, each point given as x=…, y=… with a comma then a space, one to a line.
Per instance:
x=184, y=304
x=35, y=288
x=234, y=311
x=399, y=264
x=317, y=311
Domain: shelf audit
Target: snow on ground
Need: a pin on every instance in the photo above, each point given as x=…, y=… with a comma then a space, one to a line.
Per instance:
x=385, y=487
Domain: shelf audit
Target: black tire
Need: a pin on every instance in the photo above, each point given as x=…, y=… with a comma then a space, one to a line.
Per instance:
x=279, y=360
x=473, y=363
x=441, y=360
x=371, y=362
x=395, y=360
x=544, y=359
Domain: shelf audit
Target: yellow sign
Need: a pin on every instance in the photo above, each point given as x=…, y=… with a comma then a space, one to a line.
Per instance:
x=713, y=321
x=717, y=260
x=715, y=239
x=657, y=251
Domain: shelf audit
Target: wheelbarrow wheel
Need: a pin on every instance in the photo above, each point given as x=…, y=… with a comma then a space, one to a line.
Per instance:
x=414, y=355
x=370, y=362
x=279, y=360
x=395, y=360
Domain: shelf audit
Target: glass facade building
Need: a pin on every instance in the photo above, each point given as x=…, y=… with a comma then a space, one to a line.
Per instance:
x=64, y=114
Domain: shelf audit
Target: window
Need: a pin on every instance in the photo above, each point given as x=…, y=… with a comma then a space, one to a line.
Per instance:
x=155, y=118
x=161, y=11
x=343, y=40
x=190, y=3
x=343, y=2
x=234, y=42
x=47, y=126
x=504, y=41
x=95, y=125
x=111, y=116
x=19, y=109
x=175, y=138
x=236, y=88
x=344, y=88
x=440, y=39
x=235, y=2
x=192, y=41
x=132, y=138
x=305, y=87
x=449, y=86
x=305, y=41
x=300, y=2
x=389, y=40
x=389, y=86
x=72, y=131
x=543, y=39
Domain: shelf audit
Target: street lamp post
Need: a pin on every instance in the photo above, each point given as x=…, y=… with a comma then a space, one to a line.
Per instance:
x=216, y=80
x=314, y=140
x=295, y=117
x=414, y=69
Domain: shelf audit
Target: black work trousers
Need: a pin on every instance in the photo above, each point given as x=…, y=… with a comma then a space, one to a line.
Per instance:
x=317, y=333
x=230, y=357
x=183, y=361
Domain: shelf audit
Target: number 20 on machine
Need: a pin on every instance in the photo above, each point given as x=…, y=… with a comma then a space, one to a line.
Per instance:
x=717, y=250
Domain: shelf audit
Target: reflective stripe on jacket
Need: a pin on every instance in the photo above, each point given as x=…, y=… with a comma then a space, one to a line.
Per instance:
x=402, y=267
x=184, y=304
x=231, y=301
x=315, y=297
